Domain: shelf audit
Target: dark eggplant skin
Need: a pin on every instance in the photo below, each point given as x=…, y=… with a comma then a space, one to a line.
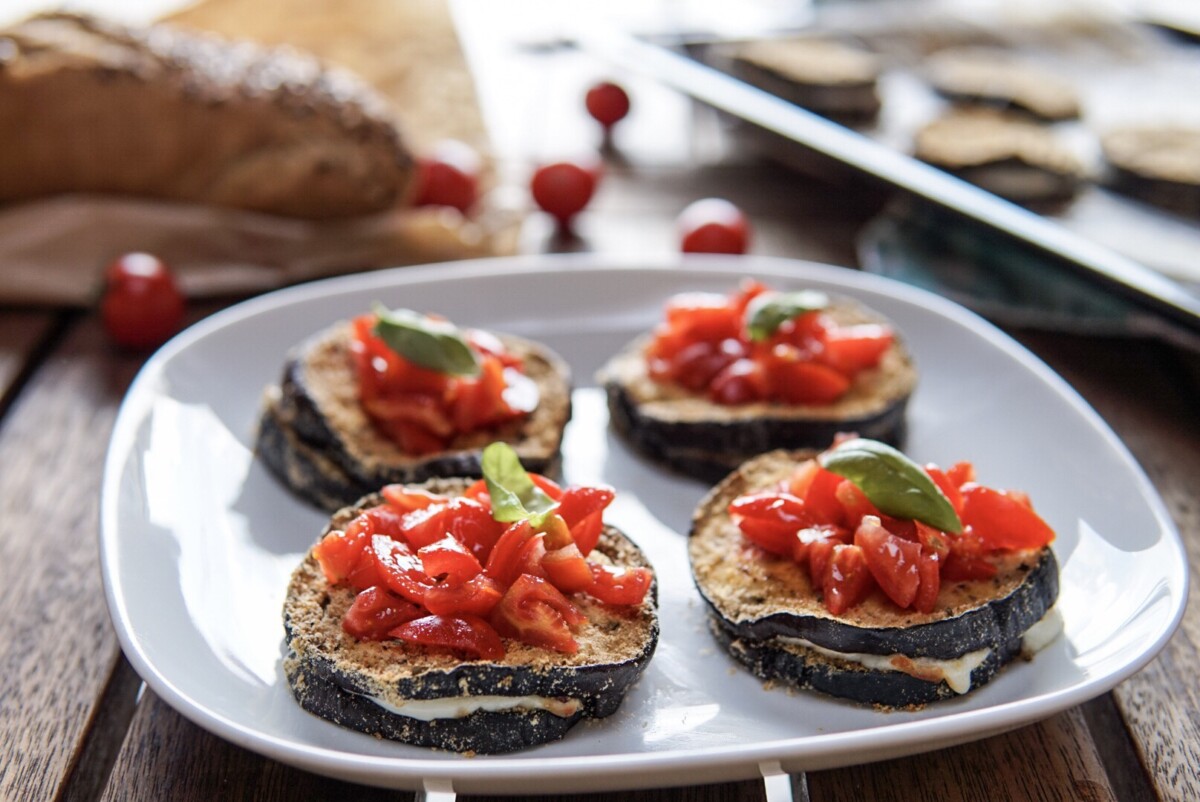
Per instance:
x=314, y=436
x=708, y=450
x=804, y=669
x=755, y=599
x=327, y=681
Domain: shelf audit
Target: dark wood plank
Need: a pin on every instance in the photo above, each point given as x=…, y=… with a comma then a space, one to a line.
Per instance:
x=57, y=647
x=1050, y=761
x=22, y=333
x=1147, y=393
x=165, y=756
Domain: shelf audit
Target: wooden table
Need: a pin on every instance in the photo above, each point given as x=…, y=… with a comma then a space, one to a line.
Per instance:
x=77, y=723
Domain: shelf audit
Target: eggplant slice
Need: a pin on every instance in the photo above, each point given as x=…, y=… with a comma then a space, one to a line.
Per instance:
x=315, y=436
x=699, y=438
x=765, y=613
x=365, y=685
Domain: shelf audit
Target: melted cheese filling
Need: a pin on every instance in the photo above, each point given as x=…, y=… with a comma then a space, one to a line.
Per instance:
x=956, y=673
x=463, y=706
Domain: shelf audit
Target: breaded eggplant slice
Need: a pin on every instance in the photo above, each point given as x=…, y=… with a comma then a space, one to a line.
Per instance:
x=764, y=612
x=1159, y=165
x=367, y=685
x=315, y=435
x=699, y=438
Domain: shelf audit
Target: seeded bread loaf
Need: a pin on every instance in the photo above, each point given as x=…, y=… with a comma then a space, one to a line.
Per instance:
x=161, y=112
x=386, y=688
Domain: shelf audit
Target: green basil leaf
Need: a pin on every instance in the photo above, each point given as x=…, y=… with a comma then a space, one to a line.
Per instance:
x=896, y=485
x=514, y=495
x=770, y=310
x=433, y=344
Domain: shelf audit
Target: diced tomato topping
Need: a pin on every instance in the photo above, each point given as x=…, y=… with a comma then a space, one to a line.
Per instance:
x=847, y=578
x=619, y=585
x=537, y=613
x=576, y=503
x=1003, y=520
x=958, y=567
x=586, y=533
x=376, y=611
x=819, y=552
x=450, y=559
x=804, y=540
x=947, y=486
x=423, y=410
x=930, y=569
x=444, y=563
x=892, y=560
x=933, y=541
x=774, y=536
x=704, y=345
x=855, y=504
x=502, y=564
x=460, y=633
x=820, y=498
x=399, y=568
x=479, y=595
x=407, y=499
x=567, y=569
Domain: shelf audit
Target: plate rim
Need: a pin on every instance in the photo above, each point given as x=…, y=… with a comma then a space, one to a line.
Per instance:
x=676, y=766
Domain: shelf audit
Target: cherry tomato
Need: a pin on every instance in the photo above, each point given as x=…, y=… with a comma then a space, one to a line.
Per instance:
x=567, y=569
x=608, y=103
x=1003, y=519
x=448, y=176
x=563, y=189
x=450, y=558
x=539, y=614
x=713, y=225
x=142, y=305
x=479, y=595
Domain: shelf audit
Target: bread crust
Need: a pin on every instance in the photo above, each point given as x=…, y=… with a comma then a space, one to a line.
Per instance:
x=313, y=419
x=161, y=112
x=760, y=605
x=337, y=677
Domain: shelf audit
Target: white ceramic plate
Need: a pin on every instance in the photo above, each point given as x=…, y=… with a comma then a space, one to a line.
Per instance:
x=198, y=540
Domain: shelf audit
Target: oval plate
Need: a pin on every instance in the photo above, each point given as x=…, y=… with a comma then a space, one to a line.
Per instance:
x=198, y=540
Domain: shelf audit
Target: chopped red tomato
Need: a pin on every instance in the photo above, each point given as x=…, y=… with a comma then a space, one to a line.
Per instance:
x=400, y=569
x=847, y=578
x=586, y=533
x=567, y=569
x=479, y=595
x=814, y=511
x=461, y=633
x=893, y=561
x=1003, y=520
x=536, y=612
x=704, y=345
x=619, y=585
x=503, y=562
x=376, y=611
x=448, y=558
x=443, y=561
x=422, y=410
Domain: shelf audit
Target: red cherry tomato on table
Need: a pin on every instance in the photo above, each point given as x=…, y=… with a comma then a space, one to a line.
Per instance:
x=563, y=189
x=608, y=103
x=142, y=305
x=713, y=225
x=448, y=176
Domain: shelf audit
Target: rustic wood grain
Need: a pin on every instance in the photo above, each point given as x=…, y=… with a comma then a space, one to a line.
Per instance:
x=56, y=645
x=1148, y=393
x=22, y=333
x=1052, y=761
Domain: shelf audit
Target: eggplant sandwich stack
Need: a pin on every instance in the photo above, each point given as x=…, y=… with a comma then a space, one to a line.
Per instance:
x=477, y=616
x=724, y=378
x=396, y=396
x=859, y=574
